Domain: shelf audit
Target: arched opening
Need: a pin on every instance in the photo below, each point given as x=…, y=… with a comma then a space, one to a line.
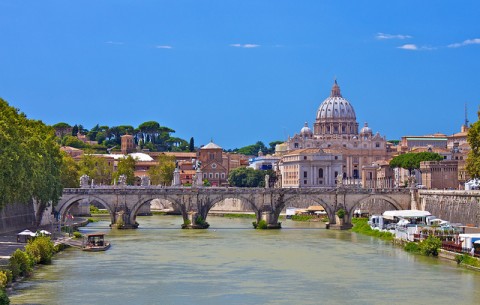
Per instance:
x=232, y=211
x=374, y=205
x=149, y=212
x=76, y=211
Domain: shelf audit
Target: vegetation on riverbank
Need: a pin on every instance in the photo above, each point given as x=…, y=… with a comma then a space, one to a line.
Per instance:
x=231, y=215
x=96, y=211
x=429, y=246
x=467, y=260
x=360, y=225
x=21, y=264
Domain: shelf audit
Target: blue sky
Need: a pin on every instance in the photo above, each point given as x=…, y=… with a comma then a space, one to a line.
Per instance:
x=242, y=71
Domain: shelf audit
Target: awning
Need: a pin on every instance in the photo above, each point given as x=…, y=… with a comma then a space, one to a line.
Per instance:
x=405, y=214
x=26, y=233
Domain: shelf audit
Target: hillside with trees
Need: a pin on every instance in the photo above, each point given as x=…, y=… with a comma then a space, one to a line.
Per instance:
x=148, y=135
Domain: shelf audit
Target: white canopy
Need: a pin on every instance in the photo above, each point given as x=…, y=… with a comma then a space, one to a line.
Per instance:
x=405, y=214
x=26, y=233
x=43, y=232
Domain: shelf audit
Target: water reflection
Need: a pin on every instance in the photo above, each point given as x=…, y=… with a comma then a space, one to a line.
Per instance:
x=230, y=263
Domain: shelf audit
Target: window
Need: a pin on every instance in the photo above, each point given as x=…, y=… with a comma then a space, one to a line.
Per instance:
x=320, y=173
x=336, y=158
x=210, y=175
x=296, y=145
x=204, y=176
x=304, y=174
x=304, y=157
x=223, y=175
x=377, y=144
x=304, y=181
x=216, y=175
x=214, y=165
x=336, y=174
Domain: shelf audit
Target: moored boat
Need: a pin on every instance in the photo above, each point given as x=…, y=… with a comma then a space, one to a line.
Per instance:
x=95, y=242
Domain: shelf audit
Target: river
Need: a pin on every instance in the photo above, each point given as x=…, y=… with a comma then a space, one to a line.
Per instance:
x=230, y=263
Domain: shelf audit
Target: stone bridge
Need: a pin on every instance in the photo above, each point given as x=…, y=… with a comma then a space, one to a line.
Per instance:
x=124, y=203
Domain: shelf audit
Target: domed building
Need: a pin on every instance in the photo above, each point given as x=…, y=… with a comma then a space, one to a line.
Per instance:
x=335, y=116
x=335, y=133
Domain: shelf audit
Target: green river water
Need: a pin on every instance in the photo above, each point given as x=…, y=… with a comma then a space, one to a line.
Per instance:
x=230, y=263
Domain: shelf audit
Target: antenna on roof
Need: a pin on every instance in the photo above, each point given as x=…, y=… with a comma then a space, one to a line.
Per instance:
x=466, y=119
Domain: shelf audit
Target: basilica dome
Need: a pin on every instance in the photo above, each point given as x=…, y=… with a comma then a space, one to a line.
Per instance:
x=336, y=115
x=335, y=106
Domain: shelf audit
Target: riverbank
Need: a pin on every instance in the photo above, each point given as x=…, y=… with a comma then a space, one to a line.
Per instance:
x=361, y=226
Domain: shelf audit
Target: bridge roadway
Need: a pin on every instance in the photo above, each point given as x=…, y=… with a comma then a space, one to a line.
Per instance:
x=124, y=202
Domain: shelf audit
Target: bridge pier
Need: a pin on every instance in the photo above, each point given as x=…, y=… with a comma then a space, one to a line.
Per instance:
x=122, y=220
x=341, y=223
x=267, y=219
x=195, y=221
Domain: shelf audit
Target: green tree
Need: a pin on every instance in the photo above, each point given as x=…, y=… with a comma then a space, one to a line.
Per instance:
x=162, y=174
x=97, y=168
x=252, y=150
x=72, y=142
x=75, y=130
x=191, y=145
x=246, y=177
x=62, y=128
x=126, y=167
x=473, y=158
x=69, y=172
x=273, y=144
x=411, y=161
x=30, y=161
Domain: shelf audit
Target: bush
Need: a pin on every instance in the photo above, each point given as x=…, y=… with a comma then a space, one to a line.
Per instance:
x=430, y=246
x=77, y=234
x=41, y=249
x=8, y=274
x=467, y=260
x=262, y=225
x=412, y=247
x=4, y=300
x=3, y=280
x=341, y=213
x=21, y=263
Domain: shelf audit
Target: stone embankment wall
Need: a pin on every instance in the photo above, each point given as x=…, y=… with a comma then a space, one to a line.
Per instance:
x=454, y=206
x=16, y=217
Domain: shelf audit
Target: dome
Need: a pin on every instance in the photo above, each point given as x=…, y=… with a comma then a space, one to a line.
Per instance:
x=336, y=107
x=306, y=131
x=365, y=129
x=335, y=116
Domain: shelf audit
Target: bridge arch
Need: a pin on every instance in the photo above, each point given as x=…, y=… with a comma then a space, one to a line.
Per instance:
x=174, y=200
x=391, y=201
x=217, y=199
x=63, y=207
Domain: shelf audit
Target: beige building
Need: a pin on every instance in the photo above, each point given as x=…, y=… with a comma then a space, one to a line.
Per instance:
x=439, y=174
x=336, y=130
x=310, y=167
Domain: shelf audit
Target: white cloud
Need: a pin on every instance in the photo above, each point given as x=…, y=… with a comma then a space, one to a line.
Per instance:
x=409, y=46
x=465, y=43
x=246, y=46
x=164, y=47
x=114, y=42
x=391, y=36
